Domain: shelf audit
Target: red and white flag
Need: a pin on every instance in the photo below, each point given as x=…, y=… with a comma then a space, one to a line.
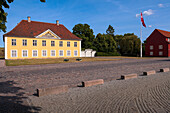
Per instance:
x=142, y=20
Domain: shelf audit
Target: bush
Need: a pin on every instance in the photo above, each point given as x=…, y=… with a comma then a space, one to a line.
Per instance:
x=107, y=54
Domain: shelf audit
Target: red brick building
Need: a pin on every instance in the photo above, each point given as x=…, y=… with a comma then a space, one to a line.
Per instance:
x=158, y=44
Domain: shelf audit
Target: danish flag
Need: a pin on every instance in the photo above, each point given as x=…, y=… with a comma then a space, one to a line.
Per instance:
x=142, y=20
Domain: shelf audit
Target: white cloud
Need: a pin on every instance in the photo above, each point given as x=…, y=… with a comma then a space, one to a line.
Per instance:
x=137, y=15
x=160, y=5
x=148, y=12
x=149, y=25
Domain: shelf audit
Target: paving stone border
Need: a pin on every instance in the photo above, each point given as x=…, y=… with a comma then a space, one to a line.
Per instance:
x=52, y=90
x=164, y=70
x=92, y=82
x=129, y=76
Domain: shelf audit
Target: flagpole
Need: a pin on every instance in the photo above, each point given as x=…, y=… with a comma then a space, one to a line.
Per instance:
x=141, y=39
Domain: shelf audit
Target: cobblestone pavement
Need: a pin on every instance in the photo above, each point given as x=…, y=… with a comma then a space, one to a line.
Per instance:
x=21, y=81
x=145, y=94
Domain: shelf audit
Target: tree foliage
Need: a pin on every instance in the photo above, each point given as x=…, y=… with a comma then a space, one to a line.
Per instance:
x=84, y=32
x=130, y=45
x=108, y=44
x=110, y=31
x=3, y=14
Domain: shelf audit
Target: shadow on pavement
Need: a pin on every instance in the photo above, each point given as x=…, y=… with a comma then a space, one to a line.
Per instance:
x=12, y=99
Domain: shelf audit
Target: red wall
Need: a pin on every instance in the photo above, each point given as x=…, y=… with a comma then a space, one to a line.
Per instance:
x=156, y=39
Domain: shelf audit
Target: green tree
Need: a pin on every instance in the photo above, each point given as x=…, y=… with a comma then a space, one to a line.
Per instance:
x=130, y=45
x=3, y=14
x=105, y=43
x=110, y=31
x=84, y=32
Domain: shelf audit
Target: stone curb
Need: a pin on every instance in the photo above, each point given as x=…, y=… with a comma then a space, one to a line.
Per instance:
x=164, y=70
x=92, y=82
x=52, y=90
x=149, y=72
x=129, y=76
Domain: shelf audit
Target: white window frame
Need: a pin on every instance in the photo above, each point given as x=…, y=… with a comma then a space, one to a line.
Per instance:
x=68, y=44
x=24, y=42
x=75, y=51
x=75, y=44
x=160, y=53
x=12, y=41
x=68, y=51
x=62, y=51
x=151, y=47
x=16, y=53
x=53, y=43
x=60, y=43
x=34, y=42
x=160, y=46
x=33, y=53
x=151, y=54
x=45, y=42
x=54, y=52
x=23, y=52
x=42, y=53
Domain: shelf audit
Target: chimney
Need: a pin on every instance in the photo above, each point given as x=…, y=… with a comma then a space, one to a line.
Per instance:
x=29, y=19
x=57, y=22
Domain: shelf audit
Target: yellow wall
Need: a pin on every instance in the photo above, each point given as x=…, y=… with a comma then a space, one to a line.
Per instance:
x=19, y=47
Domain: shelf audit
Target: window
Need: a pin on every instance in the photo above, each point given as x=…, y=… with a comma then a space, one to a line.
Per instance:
x=168, y=39
x=160, y=46
x=61, y=43
x=43, y=42
x=160, y=53
x=24, y=42
x=24, y=53
x=151, y=53
x=68, y=53
x=52, y=52
x=75, y=53
x=13, y=53
x=13, y=42
x=75, y=44
x=34, y=53
x=44, y=52
x=61, y=53
x=34, y=42
x=68, y=44
x=52, y=43
x=151, y=47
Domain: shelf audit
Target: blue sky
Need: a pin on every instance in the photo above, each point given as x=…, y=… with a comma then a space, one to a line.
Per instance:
x=99, y=14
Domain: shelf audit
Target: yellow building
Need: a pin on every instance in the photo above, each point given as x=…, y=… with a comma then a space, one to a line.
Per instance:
x=32, y=39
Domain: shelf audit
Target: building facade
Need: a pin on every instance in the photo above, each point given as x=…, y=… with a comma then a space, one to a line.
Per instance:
x=32, y=39
x=158, y=44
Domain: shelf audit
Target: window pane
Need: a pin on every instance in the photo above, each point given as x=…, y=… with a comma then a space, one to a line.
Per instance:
x=52, y=52
x=68, y=53
x=24, y=42
x=24, y=53
x=52, y=43
x=61, y=43
x=68, y=44
x=14, y=53
x=75, y=53
x=61, y=53
x=44, y=53
x=34, y=42
x=13, y=42
x=43, y=42
x=75, y=44
x=35, y=53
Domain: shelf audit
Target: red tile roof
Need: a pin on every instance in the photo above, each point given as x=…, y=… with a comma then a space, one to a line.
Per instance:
x=165, y=33
x=34, y=28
